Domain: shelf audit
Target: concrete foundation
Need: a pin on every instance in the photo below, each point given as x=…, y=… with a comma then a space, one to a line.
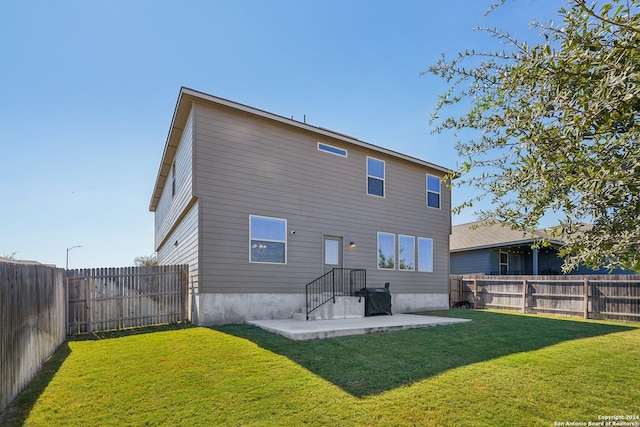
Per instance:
x=218, y=309
x=410, y=303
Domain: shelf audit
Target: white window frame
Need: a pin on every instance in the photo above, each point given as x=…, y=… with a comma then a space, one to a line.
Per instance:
x=439, y=192
x=378, y=251
x=383, y=179
x=413, y=247
x=320, y=144
x=268, y=240
x=500, y=263
x=429, y=268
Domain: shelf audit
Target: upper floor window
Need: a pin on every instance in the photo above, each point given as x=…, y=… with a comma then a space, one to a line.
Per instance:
x=268, y=241
x=433, y=191
x=173, y=179
x=375, y=177
x=331, y=149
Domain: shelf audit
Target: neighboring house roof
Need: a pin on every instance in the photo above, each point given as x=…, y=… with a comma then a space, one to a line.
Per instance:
x=482, y=235
x=181, y=114
x=23, y=261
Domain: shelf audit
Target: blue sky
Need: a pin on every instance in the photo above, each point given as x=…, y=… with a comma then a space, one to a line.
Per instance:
x=88, y=90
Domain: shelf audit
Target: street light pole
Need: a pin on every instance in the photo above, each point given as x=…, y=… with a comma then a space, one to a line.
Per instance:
x=68, y=249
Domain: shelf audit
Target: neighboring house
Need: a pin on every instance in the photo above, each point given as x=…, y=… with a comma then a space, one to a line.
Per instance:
x=492, y=249
x=259, y=205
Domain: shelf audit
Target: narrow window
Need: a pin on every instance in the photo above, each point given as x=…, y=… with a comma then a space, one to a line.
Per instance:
x=331, y=149
x=268, y=241
x=425, y=254
x=504, y=263
x=173, y=179
x=406, y=253
x=433, y=191
x=375, y=177
x=386, y=251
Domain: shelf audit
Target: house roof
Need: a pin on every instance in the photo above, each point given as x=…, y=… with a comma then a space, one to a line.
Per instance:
x=181, y=113
x=23, y=261
x=483, y=235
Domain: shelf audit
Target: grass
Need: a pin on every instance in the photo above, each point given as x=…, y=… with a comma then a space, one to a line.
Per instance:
x=499, y=369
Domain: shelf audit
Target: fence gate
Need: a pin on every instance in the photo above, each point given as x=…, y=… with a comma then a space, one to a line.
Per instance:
x=104, y=299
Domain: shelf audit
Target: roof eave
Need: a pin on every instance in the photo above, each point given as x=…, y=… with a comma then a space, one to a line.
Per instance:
x=556, y=243
x=170, y=148
x=310, y=128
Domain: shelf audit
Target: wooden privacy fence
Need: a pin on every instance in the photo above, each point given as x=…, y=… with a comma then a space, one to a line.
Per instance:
x=610, y=297
x=33, y=307
x=103, y=299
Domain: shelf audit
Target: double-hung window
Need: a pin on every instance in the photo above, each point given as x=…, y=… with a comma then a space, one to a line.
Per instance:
x=504, y=263
x=433, y=191
x=375, y=177
x=268, y=240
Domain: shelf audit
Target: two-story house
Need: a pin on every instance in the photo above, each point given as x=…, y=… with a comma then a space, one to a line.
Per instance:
x=259, y=205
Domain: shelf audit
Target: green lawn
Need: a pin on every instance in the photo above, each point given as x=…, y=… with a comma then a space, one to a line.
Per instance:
x=499, y=369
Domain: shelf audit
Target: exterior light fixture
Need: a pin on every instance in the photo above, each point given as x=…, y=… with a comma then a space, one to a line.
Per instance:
x=352, y=245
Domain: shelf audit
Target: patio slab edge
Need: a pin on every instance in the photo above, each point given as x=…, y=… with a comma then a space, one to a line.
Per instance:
x=301, y=330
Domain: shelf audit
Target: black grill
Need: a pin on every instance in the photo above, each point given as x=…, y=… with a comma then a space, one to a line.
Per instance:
x=376, y=300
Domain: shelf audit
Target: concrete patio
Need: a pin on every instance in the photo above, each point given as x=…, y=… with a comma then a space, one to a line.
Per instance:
x=316, y=329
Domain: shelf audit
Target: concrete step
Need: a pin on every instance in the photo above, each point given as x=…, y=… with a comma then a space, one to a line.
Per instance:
x=303, y=316
x=344, y=308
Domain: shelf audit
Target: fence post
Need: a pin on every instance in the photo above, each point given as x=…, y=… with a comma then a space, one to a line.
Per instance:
x=185, y=294
x=524, y=296
x=450, y=291
x=475, y=293
x=586, y=298
x=88, y=305
x=66, y=305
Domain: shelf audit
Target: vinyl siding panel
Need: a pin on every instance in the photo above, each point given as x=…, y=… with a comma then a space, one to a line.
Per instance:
x=185, y=234
x=471, y=262
x=248, y=165
x=172, y=206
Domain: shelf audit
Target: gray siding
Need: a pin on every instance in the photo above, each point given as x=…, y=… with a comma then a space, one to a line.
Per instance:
x=181, y=247
x=249, y=165
x=471, y=262
x=176, y=217
x=172, y=206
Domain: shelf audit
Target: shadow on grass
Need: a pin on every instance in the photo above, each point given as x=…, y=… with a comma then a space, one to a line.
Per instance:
x=17, y=412
x=365, y=365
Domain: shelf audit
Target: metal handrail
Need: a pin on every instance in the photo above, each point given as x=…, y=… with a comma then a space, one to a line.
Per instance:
x=338, y=281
